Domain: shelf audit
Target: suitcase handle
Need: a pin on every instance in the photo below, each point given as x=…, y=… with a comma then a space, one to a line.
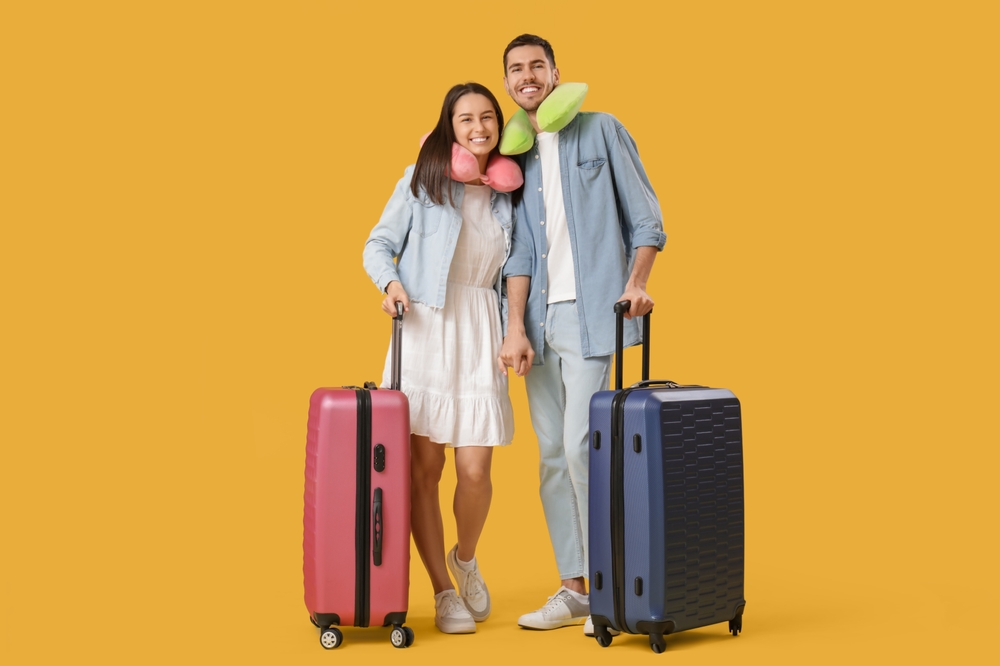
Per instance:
x=656, y=382
x=377, y=528
x=621, y=307
x=397, y=347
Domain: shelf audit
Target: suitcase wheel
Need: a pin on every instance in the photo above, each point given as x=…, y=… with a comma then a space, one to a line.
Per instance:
x=657, y=643
x=736, y=625
x=602, y=635
x=331, y=638
x=401, y=637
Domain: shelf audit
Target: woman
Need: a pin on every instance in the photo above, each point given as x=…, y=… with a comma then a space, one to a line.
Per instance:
x=451, y=240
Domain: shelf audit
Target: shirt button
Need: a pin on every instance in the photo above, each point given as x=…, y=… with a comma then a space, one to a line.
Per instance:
x=541, y=323
x=496, y=210
x=539, y=189
x=536, y=157
x=543, y=223
x=543, y=291
x=543, y=256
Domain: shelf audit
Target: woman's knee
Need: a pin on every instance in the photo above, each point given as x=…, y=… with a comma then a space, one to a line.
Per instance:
x=426, y=465
x=473, y=471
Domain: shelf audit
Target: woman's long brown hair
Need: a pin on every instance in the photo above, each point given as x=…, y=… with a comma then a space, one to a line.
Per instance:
x=432, y=174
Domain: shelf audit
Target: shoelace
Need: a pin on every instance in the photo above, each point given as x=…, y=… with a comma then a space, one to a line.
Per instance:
x=553, y=602
x=450, y=604
x=470, y=582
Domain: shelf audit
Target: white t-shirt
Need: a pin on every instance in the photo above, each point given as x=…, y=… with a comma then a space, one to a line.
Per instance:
x=559, y=255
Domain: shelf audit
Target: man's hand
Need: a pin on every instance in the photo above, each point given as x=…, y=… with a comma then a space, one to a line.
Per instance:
x=642, y=303
x=516, y=353
x=394, y=292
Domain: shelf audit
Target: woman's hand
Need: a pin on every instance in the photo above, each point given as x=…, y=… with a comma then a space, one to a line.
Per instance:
x=394, y=292
x=516, y=353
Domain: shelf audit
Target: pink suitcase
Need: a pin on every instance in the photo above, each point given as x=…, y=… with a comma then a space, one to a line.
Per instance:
x=356, y=537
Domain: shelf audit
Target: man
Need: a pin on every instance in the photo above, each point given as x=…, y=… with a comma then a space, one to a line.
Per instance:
x=588, y=229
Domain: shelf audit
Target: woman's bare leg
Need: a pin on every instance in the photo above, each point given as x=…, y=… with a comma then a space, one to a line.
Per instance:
x=472, y=496
x=426, y=465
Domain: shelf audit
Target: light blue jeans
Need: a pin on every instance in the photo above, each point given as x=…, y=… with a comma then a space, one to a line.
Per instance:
x=559, y=399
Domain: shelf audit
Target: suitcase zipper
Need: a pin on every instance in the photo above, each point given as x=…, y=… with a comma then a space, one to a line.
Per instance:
x=618, y=506
x=362, y=526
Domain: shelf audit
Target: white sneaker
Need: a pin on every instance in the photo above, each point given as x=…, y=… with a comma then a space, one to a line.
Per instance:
x=588, y=628
x=471, y=587
x=450, y=614
x=561, y=610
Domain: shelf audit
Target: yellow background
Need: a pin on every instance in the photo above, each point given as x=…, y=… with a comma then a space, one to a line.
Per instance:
x=184, y=195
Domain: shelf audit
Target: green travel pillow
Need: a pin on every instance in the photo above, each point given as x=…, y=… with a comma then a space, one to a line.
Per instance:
x=518, y=135
x=561, y=106
x=557, y=111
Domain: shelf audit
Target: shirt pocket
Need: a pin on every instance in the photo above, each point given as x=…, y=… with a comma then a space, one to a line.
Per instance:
x=592, y=164
x=427, y=220
x=590, y=170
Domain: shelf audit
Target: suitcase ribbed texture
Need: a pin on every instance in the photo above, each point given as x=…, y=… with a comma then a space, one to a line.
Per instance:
x=703, y=488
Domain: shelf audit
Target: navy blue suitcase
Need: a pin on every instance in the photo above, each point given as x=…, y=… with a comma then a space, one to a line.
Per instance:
x=666, y=506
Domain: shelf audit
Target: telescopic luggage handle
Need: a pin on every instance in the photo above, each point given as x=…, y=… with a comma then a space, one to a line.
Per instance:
x=397, y=347
x=621, y=307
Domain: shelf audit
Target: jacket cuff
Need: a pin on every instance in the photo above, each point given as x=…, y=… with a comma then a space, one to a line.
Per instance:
x=385, y=279
x=649, y=238
x=515, y=267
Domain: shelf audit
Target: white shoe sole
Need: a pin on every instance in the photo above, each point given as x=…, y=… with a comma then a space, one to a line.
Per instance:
x=455, y=626
x=543, y=625
x=613, y=632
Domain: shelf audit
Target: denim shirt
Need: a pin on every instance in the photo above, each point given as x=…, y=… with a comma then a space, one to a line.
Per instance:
x=610, y=210
x=423, y=235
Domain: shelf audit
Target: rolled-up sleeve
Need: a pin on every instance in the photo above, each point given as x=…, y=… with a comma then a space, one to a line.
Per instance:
x=387, y=239
x=521, y=246
x=640, y=208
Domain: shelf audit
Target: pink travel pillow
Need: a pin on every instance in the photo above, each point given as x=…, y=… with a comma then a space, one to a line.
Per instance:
x=502, y=173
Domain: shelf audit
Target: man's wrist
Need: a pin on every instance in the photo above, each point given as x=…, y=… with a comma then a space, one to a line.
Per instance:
x=635, y=284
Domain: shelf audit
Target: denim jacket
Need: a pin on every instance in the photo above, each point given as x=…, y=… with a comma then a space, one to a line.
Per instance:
x=423, y=235
x=610, y=210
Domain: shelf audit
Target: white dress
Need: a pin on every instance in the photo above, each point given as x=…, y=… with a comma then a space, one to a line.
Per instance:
x=449, y=372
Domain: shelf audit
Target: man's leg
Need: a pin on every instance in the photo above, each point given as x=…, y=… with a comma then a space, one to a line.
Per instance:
x=563, y=464
x=582, y=377
x=546, y=401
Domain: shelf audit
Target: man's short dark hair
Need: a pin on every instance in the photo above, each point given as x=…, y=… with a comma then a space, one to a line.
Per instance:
x=529, y=40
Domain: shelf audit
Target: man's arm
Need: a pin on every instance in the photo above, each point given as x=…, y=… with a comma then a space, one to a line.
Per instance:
x=516, y=351
x=641, y=217
x=635, y=288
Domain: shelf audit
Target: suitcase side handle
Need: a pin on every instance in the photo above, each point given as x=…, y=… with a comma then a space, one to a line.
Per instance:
x=397, y=347
x=377, y=528
x=621, y=307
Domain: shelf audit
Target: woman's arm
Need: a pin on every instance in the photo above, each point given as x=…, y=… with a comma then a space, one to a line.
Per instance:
x=386, y=242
